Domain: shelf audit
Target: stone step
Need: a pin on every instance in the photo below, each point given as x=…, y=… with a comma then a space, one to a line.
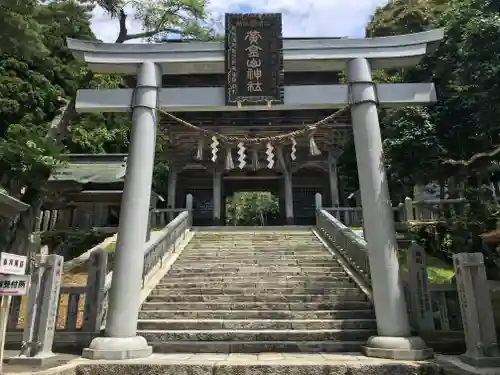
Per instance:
x=254, y=270
x=239, y=244
x=249, y=256
x=264, y=297
x=255, y=314
x=257, y=335
x=235, y=268
x=300, y=285
x=258, y=262
x=225, y=249
x=253, y=324
x=255, y=291
x=340, y=304
x=183, y=274
x=259, y=255
x=258, y=245
x=253, y=237
x=249, y=235
x=257, y=347
x=232, y=278
x=252, y=259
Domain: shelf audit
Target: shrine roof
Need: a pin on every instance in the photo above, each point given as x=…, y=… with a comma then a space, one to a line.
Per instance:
x=10, y=206
x=88, y=168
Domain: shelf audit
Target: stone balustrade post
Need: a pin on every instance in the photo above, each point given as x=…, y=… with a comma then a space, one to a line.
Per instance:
x=318, y=201
x=318, y=204
x=477, y=312
x=420, y=297
x=189, y=207
x=94, y=295
x=43, y=303
x=408, y=207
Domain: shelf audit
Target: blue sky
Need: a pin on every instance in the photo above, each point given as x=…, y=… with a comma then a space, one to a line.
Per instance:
x=301, y=18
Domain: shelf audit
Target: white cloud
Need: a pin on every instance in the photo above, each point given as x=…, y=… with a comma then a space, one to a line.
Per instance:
x=301, y=18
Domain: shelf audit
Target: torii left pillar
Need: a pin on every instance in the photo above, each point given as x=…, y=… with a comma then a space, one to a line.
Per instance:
x=121, y=340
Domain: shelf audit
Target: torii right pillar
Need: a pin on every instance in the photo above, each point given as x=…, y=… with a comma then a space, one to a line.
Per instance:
x=394, y=339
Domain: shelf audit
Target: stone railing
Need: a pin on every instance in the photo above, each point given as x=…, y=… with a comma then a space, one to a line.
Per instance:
x=159, y=217
x=430, y=210
x=55, y=315
x=447, y=316
x=409, y=210
x=442, y=314
x=345, y=241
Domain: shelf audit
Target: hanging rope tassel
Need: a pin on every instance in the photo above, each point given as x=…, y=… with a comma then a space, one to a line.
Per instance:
x=293, y=155
x=242, y=156
x=255, y=160
x=215, y=149
x=313, y=147
x=199, y=149
x=270, y=155
x=229, y=159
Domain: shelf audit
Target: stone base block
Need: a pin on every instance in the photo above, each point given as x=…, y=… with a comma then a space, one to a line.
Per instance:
x=39, y=360
x=116, y=348
x=480, y=362
x=399, y=348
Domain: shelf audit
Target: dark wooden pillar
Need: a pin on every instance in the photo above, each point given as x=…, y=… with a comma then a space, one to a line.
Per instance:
x=217, y=196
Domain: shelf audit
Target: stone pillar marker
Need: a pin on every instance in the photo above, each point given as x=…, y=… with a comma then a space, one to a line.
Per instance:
x=43, y=302
x=394, y=338
x=477, y=312
x=421, y=307
x=121, y=341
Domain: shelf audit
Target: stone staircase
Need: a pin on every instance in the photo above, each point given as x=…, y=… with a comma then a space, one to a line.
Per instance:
x=256, y=291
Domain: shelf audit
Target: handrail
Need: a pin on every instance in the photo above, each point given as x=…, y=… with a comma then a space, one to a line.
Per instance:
x=351, y=246
x=154, y=252
x=167, y=237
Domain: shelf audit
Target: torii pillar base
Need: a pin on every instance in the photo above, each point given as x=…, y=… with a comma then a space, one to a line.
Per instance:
x=117, y=348
x=398, y=348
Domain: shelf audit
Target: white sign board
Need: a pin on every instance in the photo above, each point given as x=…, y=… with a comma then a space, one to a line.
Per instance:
x=14, y=285
x=13, y=264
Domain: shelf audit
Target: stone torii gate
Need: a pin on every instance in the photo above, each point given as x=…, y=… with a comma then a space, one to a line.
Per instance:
x=149, y=62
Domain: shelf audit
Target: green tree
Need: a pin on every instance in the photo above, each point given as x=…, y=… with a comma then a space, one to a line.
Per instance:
x=35, y=78
x=252, y=208
x=160, y=19
x=465, y=70
x=38, y=82
x=450, y=141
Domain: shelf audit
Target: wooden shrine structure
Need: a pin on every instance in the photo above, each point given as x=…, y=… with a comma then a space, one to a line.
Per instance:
x=86, y=193
x=207, y=88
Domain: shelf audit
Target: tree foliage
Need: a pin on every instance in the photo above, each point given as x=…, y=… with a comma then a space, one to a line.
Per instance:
x=423, y=144
x=466, y=71
x=38, y=82
x=37, y=74
x=160, y=19
x=252, y=209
